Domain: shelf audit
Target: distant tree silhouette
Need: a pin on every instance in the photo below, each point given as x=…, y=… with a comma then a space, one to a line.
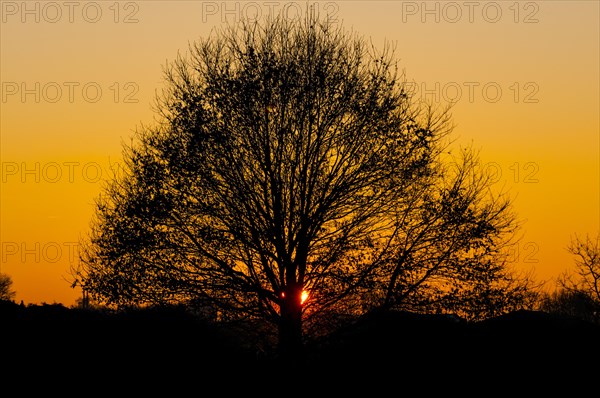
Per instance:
x=571, y=303
x=586, y=276
x=86, y=303
x=291, y=159
x=581, y=288
x=6, y=292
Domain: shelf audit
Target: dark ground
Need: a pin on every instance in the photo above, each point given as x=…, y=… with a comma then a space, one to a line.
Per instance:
x=169, y=352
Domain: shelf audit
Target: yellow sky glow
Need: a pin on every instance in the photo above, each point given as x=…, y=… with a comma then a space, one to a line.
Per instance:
x=77, y=78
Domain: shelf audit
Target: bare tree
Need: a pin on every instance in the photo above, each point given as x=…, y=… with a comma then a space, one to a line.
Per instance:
x=6, y=292
x=292, y=176
x=571, y=303
x=581, y=287
x=586, y=277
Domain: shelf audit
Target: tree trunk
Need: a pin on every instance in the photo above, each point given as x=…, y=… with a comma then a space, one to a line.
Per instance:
x=290, y=326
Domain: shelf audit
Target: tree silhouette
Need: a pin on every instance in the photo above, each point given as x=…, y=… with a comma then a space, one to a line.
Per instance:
x=571, y=303
x=587, y=266
x=6, y=292
x=581, y=288
x=292, y=176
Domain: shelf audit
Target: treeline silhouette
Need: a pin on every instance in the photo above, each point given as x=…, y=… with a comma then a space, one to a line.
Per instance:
x=174, y=344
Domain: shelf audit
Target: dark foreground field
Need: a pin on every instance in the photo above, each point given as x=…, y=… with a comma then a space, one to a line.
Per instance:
x=169, y=352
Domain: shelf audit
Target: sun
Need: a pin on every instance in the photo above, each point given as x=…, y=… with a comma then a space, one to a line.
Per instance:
x=303, y=296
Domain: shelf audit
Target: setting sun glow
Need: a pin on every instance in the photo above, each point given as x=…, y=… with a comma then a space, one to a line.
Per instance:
x=67, y=109
x=303, y=297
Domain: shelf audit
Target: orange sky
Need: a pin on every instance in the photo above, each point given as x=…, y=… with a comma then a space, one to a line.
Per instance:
x=78, y=77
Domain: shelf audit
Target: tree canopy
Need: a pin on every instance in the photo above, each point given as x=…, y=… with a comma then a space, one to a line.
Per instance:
x=6, y=291
x=292, y=177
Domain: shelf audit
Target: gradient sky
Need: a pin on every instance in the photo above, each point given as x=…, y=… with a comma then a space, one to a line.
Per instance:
x=78, y=77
